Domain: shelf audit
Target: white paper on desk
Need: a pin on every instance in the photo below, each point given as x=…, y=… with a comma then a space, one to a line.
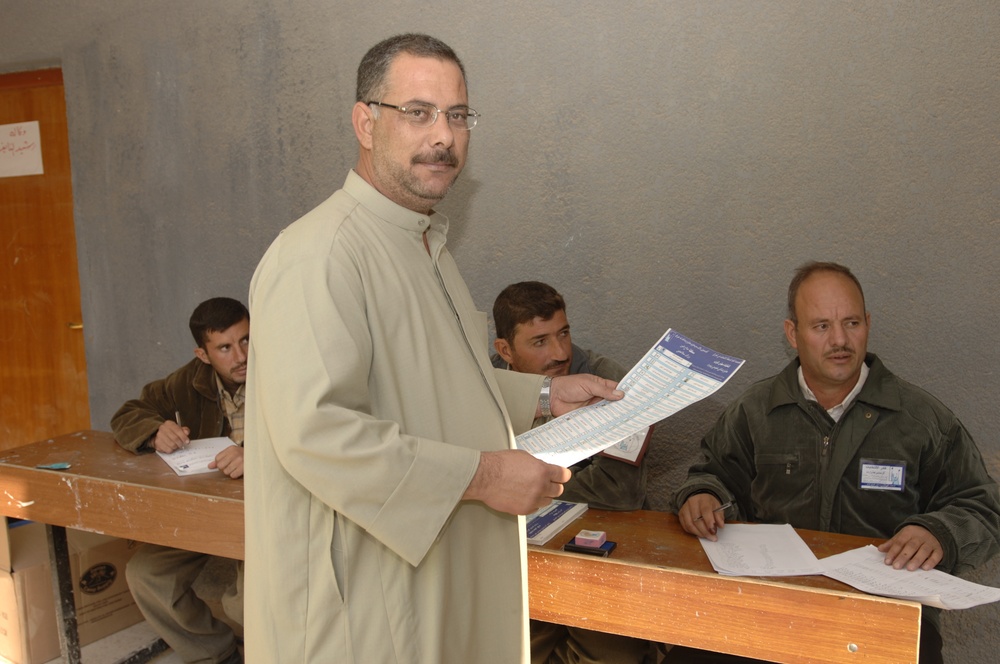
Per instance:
x=675, y=373
x=866, y=570
x=195, y=458
x=760, y=549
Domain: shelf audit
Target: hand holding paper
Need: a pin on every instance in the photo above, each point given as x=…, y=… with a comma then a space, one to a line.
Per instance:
x=676, y=372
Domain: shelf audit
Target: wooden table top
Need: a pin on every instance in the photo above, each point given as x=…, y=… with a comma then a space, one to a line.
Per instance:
x=657, y=539
x=109, y=490
x=658, y=584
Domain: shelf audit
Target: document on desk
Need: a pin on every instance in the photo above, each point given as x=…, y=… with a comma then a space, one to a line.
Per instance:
x=760, y=549
x=675, y=373
x=195, y=458
x=544, y=523
x=866, y=570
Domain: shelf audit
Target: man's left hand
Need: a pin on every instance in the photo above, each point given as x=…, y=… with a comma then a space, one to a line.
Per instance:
x=571, y=392
x=229, y=461
x=913, y=547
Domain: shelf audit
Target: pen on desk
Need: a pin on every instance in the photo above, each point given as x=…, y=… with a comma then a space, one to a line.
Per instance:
x=720, y=508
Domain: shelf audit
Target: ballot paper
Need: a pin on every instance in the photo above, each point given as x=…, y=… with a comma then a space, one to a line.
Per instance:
x=675, y=373
x=760, y=549
x=195, y=458
x=865, y=569
x=632, y=448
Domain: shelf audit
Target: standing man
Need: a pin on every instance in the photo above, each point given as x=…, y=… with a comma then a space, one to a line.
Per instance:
x=202, y=399
x=838, y=443
x=382, y=486
x=533, y=337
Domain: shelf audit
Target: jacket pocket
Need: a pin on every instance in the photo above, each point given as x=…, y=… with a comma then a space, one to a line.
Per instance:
x=777, y=464
x=338, y=557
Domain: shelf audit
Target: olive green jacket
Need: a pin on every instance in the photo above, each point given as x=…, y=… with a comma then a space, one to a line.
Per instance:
x=782, y=459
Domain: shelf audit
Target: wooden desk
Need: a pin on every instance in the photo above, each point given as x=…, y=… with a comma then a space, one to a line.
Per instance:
x=658, y=584
x=109, y=490
x=112, y=491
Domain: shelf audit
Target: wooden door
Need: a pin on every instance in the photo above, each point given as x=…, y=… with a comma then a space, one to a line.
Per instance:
x=43, y=370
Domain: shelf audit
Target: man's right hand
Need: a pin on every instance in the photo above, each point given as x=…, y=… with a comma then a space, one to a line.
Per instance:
x=698, y=516
x=171, y=437
x=515, y=482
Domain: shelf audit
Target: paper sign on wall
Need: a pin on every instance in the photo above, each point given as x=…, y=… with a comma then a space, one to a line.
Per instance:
x=20, y=149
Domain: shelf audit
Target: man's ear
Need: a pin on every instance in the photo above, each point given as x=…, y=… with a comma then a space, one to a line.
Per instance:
x=790, y=333
x=503, y=350
x=200, y=353
x=363, y=119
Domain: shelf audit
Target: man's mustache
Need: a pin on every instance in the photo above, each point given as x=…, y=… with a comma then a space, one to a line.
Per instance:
x=436, y=157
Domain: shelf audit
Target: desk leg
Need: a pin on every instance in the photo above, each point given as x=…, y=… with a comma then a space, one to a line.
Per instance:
x=62, y=587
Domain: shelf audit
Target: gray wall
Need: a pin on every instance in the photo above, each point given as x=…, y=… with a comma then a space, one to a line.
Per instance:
x=664, y=164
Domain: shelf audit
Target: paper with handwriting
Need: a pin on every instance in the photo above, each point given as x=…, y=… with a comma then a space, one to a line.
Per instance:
x=866, y=570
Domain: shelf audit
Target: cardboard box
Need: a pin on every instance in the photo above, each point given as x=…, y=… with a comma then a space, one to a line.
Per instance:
x=104, y=605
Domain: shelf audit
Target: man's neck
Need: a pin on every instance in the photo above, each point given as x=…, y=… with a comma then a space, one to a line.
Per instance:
x=832, y=398
x=418, y=205
x=230, y=388
x=829, y=398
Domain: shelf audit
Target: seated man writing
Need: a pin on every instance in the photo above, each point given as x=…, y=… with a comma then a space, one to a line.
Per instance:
x=202, y=399
x=805, y=447
x=533, y=336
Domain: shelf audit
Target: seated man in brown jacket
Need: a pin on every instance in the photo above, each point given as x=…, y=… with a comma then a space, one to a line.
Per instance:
x=202, y=399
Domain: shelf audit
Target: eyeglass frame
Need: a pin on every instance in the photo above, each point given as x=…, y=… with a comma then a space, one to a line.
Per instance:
x=470, y=113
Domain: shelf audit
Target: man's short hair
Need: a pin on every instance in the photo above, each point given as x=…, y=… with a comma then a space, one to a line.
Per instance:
x=216, y=315
x=806, y=270
x=373, y=72
x=523, y=302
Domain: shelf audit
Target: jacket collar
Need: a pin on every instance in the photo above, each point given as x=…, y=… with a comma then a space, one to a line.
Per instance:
x=880, y=390
x=204, y=380
x=391, y=212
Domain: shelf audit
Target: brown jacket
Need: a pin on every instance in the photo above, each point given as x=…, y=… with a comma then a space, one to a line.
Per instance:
x=190, y=391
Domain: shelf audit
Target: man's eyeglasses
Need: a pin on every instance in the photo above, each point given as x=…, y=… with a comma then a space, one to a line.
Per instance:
x=420, y=114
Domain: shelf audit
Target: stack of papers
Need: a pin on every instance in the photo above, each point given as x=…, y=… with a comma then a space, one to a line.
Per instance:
x=866, y=570
x=777, y=550
x=543, y=524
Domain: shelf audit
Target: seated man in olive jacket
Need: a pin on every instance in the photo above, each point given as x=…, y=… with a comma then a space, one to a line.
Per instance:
x=836, y=442
x=202, y=399
x=533, y=337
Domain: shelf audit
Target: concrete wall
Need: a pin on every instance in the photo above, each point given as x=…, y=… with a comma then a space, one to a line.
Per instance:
x=664, y=164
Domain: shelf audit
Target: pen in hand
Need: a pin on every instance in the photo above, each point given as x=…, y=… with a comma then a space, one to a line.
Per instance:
x=720, y=508
x=177, y=418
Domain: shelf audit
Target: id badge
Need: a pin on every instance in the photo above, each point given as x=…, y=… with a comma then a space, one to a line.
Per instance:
x=882, y=475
